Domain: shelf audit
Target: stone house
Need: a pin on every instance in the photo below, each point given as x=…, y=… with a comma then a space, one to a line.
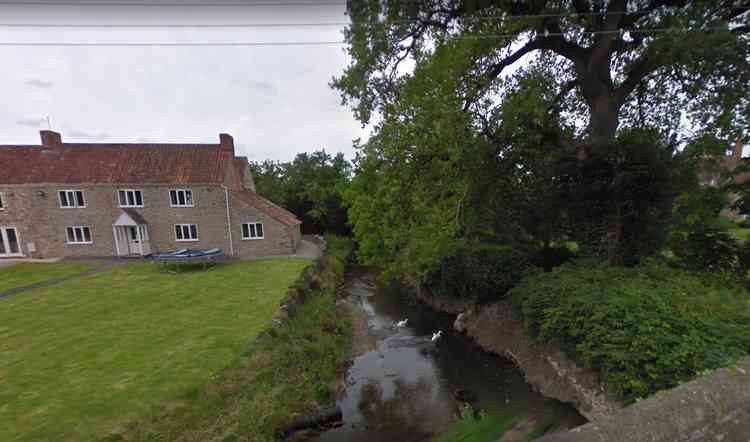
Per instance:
x=90, y=199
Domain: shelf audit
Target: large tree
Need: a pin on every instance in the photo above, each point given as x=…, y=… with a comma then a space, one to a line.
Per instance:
x=620, y=58
x=474, y=100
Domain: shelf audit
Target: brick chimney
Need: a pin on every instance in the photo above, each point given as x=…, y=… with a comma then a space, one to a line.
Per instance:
x=227, y=142
x=50, y=138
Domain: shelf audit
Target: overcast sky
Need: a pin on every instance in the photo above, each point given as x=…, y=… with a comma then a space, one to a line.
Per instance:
x=275, y=101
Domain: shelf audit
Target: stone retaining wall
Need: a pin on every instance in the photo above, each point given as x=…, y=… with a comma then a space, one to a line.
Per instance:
x=546, y=368
x=320, y=275
x=715, y=407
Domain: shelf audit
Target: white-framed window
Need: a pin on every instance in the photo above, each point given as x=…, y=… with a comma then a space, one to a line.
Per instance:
x=186, y=232
x=181, y=198
x=78, y=235
x=70, y=199
x=130, y=198
x=252, y=231
x=2, y=203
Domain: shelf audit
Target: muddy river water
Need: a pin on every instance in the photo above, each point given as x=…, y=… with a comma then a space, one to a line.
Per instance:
x=407, y=388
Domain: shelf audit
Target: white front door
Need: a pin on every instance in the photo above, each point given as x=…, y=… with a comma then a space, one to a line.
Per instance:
x=9, y=244
x=133, y=240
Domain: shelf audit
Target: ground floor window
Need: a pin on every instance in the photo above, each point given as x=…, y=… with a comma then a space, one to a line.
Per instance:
x=1, y=202
x=252, y=231
x=78, y=235
x=186, y=232
x=9, y=241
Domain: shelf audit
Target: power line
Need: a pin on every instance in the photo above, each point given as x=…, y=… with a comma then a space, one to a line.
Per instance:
x=170, y=44
x=171, y=25
x=274, y=25
x=317, y=43
x=178, y=4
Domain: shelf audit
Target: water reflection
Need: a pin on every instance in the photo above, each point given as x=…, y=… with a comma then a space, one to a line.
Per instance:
x=404, y=389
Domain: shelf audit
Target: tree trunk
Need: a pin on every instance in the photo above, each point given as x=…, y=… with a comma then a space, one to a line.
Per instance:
x=605, y=117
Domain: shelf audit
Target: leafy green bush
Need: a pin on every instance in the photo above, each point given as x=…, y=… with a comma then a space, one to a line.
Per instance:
x=480, y=271
x=643, y=329
x=707, y=248
x=700, y=238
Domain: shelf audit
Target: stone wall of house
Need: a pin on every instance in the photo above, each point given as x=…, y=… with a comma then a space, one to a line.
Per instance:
x=34, y=210
x=277, y=239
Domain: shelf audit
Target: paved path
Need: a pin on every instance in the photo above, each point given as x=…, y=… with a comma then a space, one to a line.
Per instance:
x=307, y=249
x=98, y=266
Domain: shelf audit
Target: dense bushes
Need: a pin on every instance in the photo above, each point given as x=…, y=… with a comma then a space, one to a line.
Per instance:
x=480, y=271
x=643, y=329
x=709, y=249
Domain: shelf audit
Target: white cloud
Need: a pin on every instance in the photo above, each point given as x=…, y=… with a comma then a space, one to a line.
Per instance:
x=31, y=122
x=83, y=135
x=275, y=101
x=35, y=82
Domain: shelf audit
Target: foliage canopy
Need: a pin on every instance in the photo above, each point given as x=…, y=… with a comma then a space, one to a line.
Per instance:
x=311, y=186
x=533, y=122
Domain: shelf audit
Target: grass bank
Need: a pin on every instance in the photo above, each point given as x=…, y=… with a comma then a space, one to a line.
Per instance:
x=84, y=357
x=23, y=274
x=289, y=371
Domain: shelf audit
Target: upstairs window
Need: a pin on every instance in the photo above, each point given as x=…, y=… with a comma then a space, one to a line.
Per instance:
x=2, y=204
x=79, y=235
x=186, y=232
x=130, y=198
x=70, y=199
x=252, y=231
x=181, y=198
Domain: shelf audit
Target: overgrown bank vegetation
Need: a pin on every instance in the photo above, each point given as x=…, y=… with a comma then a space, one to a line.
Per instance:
x=288, y=371
x=525, y=132
x=643, y=329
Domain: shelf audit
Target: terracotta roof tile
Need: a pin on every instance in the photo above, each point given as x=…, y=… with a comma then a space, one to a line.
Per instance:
x=280, y=214
x=113, y=163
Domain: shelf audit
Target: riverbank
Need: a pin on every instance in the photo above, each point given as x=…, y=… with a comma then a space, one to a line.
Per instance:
x=291, y=370
x=545, y=367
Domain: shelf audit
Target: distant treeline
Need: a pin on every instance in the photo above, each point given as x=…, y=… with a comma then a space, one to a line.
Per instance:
x=312, y=186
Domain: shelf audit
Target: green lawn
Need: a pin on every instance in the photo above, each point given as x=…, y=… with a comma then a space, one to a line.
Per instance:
x=24, y=273
x=82, y=358
x=739, y=233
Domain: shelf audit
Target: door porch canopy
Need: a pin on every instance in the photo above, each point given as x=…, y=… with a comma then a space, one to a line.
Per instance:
x=127, y=243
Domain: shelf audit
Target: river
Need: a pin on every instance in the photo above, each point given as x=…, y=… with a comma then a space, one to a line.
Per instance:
x=407, y=388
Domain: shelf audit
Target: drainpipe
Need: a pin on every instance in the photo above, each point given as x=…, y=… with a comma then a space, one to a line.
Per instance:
x=229, y=220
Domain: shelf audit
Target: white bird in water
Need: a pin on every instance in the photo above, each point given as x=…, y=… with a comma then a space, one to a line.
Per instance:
x=436, y=336
x=402, y=323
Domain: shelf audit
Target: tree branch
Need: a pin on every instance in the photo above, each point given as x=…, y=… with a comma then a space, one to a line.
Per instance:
x=646, y=64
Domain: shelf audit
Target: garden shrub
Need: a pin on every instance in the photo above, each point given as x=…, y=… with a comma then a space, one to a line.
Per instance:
x=707, y=248
x=480, y=271
x=548, y=258
x=643, y=329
